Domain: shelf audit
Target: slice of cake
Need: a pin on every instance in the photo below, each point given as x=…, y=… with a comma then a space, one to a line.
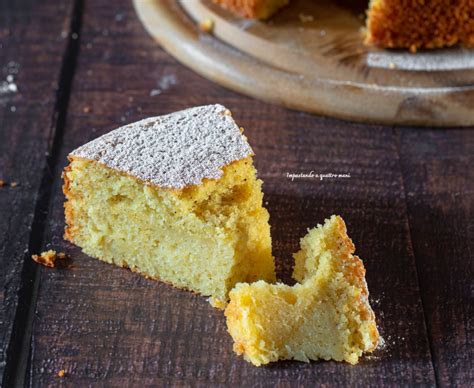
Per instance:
x=420, y=24
x=325, y=316
x=175, y=198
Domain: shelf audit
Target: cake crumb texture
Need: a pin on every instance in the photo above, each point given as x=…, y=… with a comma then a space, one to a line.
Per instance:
x=411, y=24
x=416, y=24
x=255, y=9
x=203, y=238
x=325, y=316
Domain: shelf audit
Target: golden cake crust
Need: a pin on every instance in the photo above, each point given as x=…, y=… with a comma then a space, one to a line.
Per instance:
x=68, y=235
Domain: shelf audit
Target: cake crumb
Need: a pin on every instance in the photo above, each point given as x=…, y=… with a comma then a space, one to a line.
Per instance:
x=48, y=258
x=305, y=18
x=87, y=109
x=217, y=303
x=392, y=65
x=61, y=373
x=6, y=183
x=206, y=25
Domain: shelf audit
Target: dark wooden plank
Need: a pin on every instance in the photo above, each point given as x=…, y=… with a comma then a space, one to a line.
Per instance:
x=106, y=325
x=33, y=39
x=439, y=181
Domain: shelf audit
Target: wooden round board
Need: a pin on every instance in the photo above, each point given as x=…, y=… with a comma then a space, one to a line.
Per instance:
x=310, y=56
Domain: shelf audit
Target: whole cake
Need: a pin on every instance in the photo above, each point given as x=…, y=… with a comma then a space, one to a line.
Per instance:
x=325, y=316
x=175, y=198
x=409, y=24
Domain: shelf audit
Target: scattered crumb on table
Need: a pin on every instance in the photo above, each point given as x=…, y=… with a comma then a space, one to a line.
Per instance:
x=48, y=258
x=4, y=183
x=305, y=18
x=206, y=25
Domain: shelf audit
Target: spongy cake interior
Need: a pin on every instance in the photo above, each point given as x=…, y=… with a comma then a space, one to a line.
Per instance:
x=325, y=316
x=420, y=24
x=203, y=237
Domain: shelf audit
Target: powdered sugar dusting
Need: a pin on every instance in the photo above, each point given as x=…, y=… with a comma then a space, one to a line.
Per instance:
x=164, y=84
x=172, y=151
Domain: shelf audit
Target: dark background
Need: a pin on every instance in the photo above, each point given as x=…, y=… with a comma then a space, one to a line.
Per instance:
x=85, y=67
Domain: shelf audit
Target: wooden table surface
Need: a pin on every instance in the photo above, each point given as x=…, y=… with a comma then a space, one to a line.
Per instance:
x=84, y=67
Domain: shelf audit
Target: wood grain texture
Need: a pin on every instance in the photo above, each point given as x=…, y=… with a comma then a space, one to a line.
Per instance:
x=33, y=38
x=106, y=325
x=439, y=182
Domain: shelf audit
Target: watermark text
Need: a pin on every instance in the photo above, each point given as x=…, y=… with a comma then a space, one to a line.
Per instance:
x=314, y=175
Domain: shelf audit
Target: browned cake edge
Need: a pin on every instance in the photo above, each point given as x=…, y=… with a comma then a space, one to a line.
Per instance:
x=252, y=9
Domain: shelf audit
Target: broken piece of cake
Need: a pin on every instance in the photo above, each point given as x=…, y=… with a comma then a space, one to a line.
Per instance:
x=175, y=198
x=325, y=316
